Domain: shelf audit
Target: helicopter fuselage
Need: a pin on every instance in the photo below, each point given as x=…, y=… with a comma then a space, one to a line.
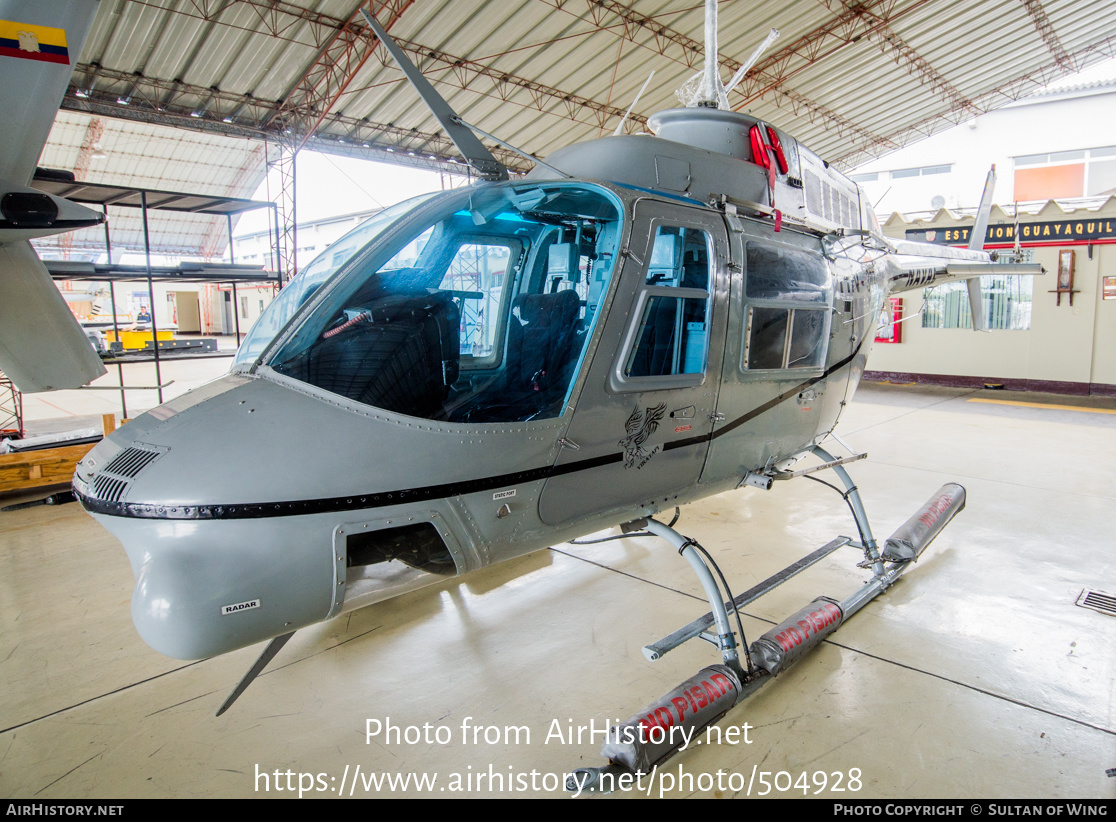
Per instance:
x=495, y=371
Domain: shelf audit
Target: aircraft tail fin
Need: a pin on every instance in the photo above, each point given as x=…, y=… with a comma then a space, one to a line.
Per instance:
x=913, y=265
x=35, y=75
x=976, y=305
x=976, y=243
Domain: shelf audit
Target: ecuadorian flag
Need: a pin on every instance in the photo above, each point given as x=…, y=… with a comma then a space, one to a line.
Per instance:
x=33, y=42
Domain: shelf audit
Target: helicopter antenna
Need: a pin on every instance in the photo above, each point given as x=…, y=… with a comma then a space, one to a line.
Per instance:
x=472, y=149
x=624, y=119
x=710, y=88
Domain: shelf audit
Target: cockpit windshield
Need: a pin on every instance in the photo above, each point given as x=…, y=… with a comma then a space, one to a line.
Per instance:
x=482, y=314
x=299, y=290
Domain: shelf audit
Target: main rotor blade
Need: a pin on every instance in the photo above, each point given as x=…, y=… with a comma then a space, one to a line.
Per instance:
x=472, y=149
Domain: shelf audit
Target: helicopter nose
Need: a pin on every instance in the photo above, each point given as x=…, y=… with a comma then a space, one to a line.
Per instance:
x=205, y=588
x=212, y=574
x=224, y=559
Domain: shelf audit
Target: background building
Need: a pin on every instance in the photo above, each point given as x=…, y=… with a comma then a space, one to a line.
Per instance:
x=1055, y=157
x=1051, y=333
x=1057, y=144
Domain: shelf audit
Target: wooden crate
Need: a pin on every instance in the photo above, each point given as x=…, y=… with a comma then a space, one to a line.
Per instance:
x=35, y=469
x=50, y=466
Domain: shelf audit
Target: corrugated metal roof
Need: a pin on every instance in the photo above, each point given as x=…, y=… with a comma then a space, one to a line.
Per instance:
x=141, y=155
x=851, y=81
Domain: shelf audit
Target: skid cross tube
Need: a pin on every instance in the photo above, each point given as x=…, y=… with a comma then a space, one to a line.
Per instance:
x=698, y=627
x=685, y=546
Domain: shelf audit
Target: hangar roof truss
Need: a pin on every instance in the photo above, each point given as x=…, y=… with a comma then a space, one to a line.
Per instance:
x=852, y=80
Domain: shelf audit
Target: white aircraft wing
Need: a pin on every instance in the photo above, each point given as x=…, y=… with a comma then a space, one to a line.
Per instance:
x=42, y=346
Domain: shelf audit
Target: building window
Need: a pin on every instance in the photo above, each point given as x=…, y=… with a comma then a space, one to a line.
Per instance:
x=1007, y=304
x=923, y=171
x=1085, y=173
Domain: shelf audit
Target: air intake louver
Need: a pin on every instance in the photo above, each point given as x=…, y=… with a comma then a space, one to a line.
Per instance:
x=107, y=488
x=129, y=462
x=825, y=201
x=110, y=483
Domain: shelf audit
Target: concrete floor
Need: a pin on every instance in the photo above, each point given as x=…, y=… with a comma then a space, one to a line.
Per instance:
x=976, y=676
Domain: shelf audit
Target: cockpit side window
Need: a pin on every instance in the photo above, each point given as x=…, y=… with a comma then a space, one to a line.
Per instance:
x=481, y=316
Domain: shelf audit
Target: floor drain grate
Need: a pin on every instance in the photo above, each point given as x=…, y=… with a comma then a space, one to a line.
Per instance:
x=1098, y=601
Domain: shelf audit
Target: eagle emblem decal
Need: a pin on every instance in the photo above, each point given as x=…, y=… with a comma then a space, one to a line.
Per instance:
x=640, y=426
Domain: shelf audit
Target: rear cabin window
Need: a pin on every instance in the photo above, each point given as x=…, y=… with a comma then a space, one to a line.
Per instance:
x=788, y=290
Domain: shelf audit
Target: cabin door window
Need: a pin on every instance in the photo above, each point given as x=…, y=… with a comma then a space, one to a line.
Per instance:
x=787, y=325
x=785, y=338
x=644, y=420
x=669, y=343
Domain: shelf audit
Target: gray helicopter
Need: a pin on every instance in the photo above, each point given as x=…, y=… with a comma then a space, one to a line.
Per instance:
x=640, y=322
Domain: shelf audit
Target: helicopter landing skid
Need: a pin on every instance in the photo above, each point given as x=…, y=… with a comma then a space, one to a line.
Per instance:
x=660, y=730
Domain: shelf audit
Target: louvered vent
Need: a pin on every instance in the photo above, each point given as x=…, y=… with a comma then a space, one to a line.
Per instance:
x=826, y=201
x=129, y=462
x=814, y=195
x=108, y=488
x=110, y=483
x=1098, y=601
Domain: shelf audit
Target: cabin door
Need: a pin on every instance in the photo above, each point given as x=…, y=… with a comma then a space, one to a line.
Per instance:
x=773, y=391
x=640, y=431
